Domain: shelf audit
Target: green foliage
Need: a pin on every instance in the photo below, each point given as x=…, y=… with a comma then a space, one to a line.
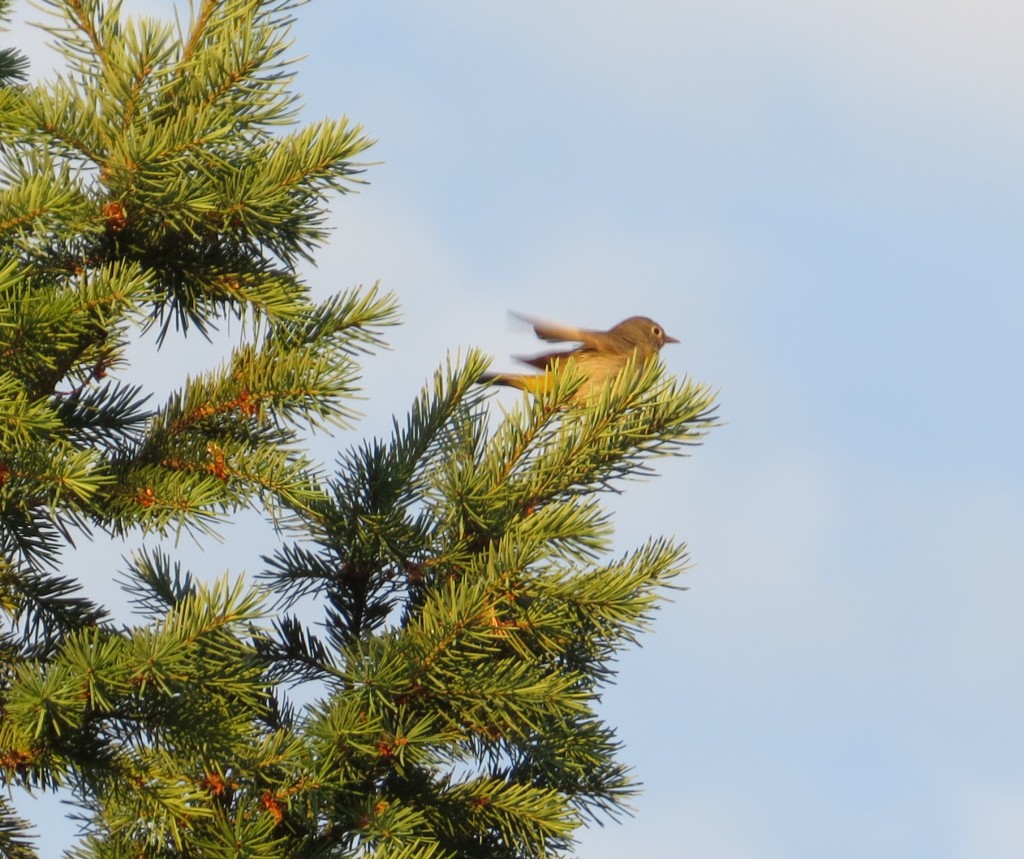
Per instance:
x=13, y=66
x=447, y=593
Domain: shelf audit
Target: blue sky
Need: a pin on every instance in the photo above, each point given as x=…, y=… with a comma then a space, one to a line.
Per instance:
x=824, y=201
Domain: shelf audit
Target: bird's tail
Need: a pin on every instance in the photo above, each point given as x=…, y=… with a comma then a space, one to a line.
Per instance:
x=532, y=382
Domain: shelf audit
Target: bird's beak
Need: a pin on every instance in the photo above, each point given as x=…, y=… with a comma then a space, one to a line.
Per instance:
x=670, y=339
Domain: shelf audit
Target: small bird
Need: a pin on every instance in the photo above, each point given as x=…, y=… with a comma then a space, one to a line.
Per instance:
x=602, y=355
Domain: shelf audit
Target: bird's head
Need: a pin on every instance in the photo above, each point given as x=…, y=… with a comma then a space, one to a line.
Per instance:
x=642, y=331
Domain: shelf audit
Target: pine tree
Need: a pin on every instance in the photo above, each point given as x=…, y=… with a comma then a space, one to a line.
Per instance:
x=447, y=591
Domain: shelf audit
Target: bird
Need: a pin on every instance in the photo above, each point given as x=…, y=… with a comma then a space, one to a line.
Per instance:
x=601, y=356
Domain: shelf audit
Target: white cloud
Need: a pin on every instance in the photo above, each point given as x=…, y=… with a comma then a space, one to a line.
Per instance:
x=988, y=823
x=734, y=59
x=954, y=58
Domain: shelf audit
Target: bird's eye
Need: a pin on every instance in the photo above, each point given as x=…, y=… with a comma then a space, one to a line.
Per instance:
x=656, y=331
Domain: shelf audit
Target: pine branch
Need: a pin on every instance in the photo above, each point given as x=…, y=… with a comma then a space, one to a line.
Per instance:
x=227, y=437
x=514, y=813
x=44, y=608
x=293, y=654
x=548, y=453
x=15, y=833
x=157, y=583
x=351, y=322
x=13, y=65
x=109, y=417
x=83, y=30
x=370, y=533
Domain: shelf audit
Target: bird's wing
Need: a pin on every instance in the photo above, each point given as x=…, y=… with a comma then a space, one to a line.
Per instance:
x=545, y=361
x=555, y=332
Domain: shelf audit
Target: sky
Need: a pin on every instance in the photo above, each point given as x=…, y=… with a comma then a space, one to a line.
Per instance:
x=824, y=202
